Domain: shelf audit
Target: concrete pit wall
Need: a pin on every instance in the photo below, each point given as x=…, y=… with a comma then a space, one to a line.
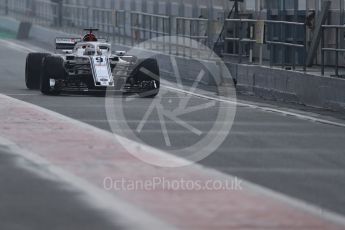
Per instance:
x=290, y=86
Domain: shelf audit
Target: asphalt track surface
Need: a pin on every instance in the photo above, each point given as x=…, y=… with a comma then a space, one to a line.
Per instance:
x=29, y=202
x=296, y=157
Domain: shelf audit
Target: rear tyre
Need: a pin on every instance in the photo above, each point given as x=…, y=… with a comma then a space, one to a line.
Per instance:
x=33, y=69
x=52, y=70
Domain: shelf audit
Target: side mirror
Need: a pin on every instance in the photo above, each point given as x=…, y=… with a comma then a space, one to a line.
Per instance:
x=120, y=53
x=67, y=51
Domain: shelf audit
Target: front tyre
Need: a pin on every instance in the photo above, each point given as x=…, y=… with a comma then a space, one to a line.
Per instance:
x=52, y=71
x=33, y=69
x=147, y=75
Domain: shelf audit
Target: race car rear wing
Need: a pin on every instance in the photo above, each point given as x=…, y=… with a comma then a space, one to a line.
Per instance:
x=66, y=43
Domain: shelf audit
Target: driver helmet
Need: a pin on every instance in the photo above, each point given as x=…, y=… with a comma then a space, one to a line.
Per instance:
x=90, y=38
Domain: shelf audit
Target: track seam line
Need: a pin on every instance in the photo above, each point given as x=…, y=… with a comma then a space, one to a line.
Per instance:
x=262, y=108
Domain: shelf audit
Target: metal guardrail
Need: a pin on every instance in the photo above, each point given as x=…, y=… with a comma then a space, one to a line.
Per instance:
x=75, y=16
x=294, y=45
x=190, y=33
x=133, y=27
x=46, y=12
x=19, y=8
x=335, y=50
x=70, y=18
x=111, y=23
x=242, y=37
x=150, y=27
x=39, y=11
x=193, y=28
x=4, y=7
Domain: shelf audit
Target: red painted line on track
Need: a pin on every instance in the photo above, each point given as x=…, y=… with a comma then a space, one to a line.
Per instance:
x=93, y=155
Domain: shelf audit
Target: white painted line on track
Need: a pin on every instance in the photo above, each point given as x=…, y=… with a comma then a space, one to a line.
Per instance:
x=17, y=47
x=257, y=107
x=301, y=171
x=92, y=191
x=22, y=94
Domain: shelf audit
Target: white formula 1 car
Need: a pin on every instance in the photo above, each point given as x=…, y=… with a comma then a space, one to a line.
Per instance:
x=88, y=64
